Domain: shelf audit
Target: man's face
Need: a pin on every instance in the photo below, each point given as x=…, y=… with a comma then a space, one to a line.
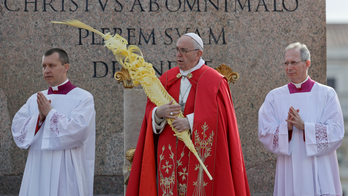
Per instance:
x=53, y=70
x=187, y=60
x=296, y=70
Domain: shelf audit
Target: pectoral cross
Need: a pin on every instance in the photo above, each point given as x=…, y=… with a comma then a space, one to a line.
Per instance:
x=182, y=105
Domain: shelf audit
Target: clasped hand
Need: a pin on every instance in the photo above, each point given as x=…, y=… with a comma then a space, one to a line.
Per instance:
x=44, y=106
x=170, y=111
x=294, y=119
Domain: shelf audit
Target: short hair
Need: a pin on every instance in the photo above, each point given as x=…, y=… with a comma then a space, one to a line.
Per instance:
x=63, y=56
x=304, y=52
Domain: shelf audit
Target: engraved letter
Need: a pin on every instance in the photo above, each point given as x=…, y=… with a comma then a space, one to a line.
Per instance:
x=95, y=69
x=275, y=7
x=171, y=6
x=121, y=7
x=117, y=30
x=222, y=34
x=289, y=9
x=9, y=8
x=76, y=6
x=103, y=6
x=159, y=72
x=242, y=6
x=170, y=64
x=49, y=5
x=87, y=6
x=191, y=7
x=104, y=30
x=80, y=35
x=264, y=4
x=153, y=2
x=94, y=42
x=169, y=36
x=130, y=30
x=147, y=40
x=142, y=10
x=62, y=6
x=26, y=2
x=215, y=5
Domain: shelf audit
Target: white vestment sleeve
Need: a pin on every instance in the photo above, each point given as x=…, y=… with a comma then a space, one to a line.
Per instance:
x=61, y=132
x=273, y=133
x=190, y=118
x=325, y=136
x=24, y=125
x=157, y=123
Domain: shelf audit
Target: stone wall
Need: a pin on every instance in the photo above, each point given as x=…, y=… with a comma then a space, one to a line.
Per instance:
x=247, y=35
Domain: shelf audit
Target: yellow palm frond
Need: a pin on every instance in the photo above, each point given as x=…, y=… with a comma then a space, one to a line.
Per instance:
x=142, y=73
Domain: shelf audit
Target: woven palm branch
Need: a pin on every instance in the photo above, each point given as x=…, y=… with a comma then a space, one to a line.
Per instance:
x=142, y=73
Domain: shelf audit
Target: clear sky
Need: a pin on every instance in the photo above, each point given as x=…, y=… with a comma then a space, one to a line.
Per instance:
x=337, y=11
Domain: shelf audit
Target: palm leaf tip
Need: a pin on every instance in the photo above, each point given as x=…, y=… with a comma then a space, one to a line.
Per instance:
x=78, y=24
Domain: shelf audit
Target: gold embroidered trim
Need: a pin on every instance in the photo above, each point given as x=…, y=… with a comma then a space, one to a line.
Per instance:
x=203, y=145
x=167, y=183
x=182, y=189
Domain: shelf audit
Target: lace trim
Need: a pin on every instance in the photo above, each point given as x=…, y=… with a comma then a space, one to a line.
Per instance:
x=321, y=137
x=23, y=134
x=276, y=140
x=54, y=131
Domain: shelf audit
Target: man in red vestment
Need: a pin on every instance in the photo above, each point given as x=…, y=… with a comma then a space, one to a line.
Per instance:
x=162, y=164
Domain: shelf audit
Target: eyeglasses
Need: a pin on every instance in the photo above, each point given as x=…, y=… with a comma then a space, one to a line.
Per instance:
x=292, y=63
x=184, y=51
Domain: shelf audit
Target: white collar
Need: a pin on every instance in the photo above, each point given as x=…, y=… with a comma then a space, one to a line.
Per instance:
x=55, y=88
x=198, y=66
x=299, y=84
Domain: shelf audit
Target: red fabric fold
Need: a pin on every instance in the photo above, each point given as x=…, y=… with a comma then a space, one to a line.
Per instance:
x=142, y=179
x=290, y=135
x=37, y=124
x=148, y=169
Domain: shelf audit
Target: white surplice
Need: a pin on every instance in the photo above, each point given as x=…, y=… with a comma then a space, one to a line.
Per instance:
x=62, y=153
x=307, y=168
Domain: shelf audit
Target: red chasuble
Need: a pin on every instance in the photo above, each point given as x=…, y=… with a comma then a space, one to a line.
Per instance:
x=215, y=136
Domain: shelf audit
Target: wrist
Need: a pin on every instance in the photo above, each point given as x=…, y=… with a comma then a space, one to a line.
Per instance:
x=42, y=118
x=156, y=114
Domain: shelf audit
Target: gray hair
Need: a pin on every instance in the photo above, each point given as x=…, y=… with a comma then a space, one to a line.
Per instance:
x=304, y=52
